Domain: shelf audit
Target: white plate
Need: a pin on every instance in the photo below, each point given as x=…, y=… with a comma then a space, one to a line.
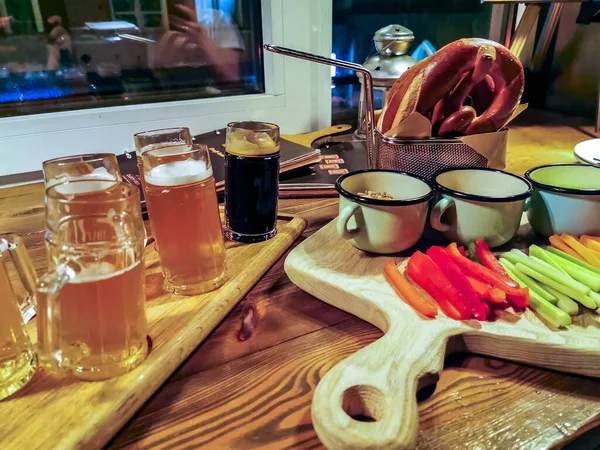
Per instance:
x=588, y=152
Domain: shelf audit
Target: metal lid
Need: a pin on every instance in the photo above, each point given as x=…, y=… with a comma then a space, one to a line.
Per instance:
x=393, y=40
x=393, y=32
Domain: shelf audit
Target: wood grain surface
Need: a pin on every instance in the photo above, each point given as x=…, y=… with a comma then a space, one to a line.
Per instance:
x=60, y=412
x=380, y=381
x=477, y=403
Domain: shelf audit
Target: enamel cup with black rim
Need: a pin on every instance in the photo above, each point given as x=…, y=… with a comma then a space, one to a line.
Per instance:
x=382, y=226
x=479, y=203
x=566, y=199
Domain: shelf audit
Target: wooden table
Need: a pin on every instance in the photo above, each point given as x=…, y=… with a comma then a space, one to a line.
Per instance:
x=254, y=391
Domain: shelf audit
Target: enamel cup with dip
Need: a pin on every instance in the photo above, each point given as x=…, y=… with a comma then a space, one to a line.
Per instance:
x=479, y=203
x=379, y=225
x=566, y=199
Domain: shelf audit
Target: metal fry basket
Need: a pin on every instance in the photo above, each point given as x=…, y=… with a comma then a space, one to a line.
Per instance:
x=422, y=157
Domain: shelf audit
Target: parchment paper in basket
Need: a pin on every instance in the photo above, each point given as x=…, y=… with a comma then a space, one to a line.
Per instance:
x=491, y=145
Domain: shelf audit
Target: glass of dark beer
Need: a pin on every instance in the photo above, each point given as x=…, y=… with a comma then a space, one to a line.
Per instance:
x=251, y=181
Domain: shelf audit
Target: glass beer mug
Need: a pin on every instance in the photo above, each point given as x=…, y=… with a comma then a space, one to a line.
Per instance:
x=91, y=312
x=93, y=166
x=17, y=360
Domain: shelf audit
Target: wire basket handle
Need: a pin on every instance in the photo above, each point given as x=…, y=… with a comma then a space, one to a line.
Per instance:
x=368, y=83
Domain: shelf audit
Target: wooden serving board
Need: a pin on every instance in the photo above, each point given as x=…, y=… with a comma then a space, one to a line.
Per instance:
x=380, y=381
x=65, y=413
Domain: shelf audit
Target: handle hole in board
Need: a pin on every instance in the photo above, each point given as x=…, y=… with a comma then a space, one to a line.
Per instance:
x=363, y=403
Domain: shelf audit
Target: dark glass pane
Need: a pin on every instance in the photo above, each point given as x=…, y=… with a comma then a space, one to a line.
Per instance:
x=85, y=58
x=123, y=5
x=152, y=20
x=150, y=5
x=127, y=18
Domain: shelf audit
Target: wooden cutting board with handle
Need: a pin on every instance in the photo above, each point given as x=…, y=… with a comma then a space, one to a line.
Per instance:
x=380, y=381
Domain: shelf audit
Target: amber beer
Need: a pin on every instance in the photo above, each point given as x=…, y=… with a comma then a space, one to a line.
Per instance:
x=103, y=309
x=181, y=198
x=95, y=239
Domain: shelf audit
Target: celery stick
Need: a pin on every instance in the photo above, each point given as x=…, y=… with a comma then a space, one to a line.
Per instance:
x=541, y=261
x=555, y=316
x=533, y=285
x=579, y=273
x=565, y=303
x=472, y=252
x=548, y=272
x=596, y=298
x=540, y=253
x=581, y=298
x=574, y=260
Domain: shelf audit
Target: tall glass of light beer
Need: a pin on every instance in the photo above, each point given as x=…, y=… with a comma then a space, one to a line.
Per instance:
x=17, y=360
x=91, y=302
x=181, y=198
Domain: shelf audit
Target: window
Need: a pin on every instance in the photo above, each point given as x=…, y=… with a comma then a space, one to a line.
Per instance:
x=74, y=54
x=295, y=94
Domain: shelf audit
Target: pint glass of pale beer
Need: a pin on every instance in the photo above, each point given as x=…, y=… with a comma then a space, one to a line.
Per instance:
x=181, y=198
x=17, y=360
x=91, y=311
x=93, y=166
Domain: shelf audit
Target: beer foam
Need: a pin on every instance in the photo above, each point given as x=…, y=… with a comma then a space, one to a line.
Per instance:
x=99, y=173
x=98, y=272
x=178, y=173
x=85, y=185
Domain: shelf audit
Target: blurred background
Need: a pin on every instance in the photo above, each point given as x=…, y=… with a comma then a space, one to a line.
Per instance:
x=60, y=55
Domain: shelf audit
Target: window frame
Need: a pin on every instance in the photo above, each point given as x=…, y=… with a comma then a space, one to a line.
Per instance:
x=297, y=97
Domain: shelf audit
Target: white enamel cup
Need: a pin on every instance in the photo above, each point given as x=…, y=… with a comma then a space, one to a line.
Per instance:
x=382, y=226
x=479, y=203
x=566, y=199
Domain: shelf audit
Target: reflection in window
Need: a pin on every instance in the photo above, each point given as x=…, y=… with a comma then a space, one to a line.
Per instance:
x=71, y=54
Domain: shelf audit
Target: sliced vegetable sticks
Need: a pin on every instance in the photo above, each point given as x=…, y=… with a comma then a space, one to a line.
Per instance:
x=459, y=280
x=542, y=254
x=423, y=271
x=577, y=272
x=558, y=243
x=488, y=259
x=518, y=296
x=572, y=259
x=546, y=270
x=589, y=255
x=486, y=291
x=563, y=302
x=408, y=292
x=533, y=285
x=581, y=298
x=555, y=316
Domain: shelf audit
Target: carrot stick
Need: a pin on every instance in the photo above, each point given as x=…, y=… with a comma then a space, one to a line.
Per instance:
x=586, y=253
x=558, y=243
x=593, y=238
x=590, y=242
x=408, y=292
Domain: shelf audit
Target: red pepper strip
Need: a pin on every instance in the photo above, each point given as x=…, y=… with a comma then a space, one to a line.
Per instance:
x=408, y=292
x=463, y=252
x=517, y=296
x=429, y=277
x=488, y=259
x=486, y=291
x=458, y=280
x=487, y=311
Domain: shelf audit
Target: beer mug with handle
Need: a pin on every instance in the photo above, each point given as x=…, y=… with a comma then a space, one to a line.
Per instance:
x=91, y=312
x=17, y=360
